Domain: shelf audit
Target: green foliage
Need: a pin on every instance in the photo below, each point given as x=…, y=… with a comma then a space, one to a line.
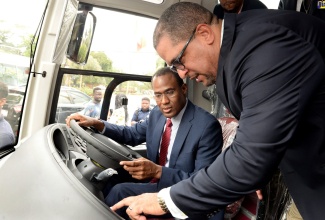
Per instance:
x=27, y=44
x=99, y=61
x=83, y=82
x=160, y=63
x=103, y=60
x=5, y=44
x=87, y=90
x=82, y=53
x=4, y=36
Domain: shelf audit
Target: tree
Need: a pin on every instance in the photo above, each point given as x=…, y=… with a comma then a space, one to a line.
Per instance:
x=27, y=45
x=4, y=36
x=103, y=60
x=6, y=45
x=160, y=63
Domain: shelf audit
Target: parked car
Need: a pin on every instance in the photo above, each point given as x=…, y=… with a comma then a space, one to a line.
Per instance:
x=70, y=100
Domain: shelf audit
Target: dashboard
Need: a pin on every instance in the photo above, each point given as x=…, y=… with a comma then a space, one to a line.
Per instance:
x=52, y=172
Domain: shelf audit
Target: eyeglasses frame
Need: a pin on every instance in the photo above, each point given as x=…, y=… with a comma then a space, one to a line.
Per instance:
x=179, y=57
x=166, y=93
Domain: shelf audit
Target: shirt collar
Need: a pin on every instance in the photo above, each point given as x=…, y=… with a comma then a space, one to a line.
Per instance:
x=222, y=30
x=177, y=119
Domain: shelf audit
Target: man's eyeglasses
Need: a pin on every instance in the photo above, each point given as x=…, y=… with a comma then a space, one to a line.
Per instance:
x=169, y=94
x=177, y=64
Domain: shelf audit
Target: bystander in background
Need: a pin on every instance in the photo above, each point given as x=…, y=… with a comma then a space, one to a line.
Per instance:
x=6, y=134
x=236, y=6
x=94, y=106
x=141, y=113
x=120, y=115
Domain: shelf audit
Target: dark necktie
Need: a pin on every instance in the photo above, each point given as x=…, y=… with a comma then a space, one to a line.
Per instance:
x=165, y=142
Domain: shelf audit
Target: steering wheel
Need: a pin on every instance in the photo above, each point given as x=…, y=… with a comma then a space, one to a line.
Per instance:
x=103, y=150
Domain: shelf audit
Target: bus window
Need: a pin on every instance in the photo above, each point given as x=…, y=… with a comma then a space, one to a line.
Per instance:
x=119, y=62
x=16, y=31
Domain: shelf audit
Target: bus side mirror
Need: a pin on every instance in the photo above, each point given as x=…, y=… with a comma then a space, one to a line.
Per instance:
x=81, y=37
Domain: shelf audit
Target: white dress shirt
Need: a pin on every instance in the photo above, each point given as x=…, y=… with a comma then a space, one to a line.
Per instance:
x=299, y=3
x=176, y=122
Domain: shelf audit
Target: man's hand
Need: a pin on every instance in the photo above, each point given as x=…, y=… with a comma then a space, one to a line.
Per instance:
x=259, y=194
x=138, y=206
x=142, y=168
x=85, y=121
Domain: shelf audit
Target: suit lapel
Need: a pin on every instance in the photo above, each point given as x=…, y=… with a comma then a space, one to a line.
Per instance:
x=182, y=133
x=227, y=42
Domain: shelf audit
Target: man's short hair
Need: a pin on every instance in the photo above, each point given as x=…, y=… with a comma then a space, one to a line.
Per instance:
x=165, y=71
x=3, y=90
x=182, y=14
x=146, y=98
x=96, y=88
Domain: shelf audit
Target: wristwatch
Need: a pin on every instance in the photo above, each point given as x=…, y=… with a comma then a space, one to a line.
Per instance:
x=162, y=204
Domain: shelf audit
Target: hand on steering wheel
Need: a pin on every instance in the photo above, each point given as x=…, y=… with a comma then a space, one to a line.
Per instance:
x=105, y=151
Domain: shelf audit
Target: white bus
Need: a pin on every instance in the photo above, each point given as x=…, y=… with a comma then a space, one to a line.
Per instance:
x=47, y=172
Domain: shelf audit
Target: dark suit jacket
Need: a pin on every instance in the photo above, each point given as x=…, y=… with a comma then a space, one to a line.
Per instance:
x=313, y=10
x=197, y=142
x=247, y=5
x=271, y=76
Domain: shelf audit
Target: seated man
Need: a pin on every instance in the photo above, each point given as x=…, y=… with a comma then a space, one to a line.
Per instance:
x=195, y=140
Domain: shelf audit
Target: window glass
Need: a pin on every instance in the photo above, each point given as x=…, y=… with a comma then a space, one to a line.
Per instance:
x=64, y=98
x=271, y=4
x=122, y=43
x=78, y=97
x=81, y=93
x=88, y=99
x=14, y=99
x=16, y=34
x=134, y=92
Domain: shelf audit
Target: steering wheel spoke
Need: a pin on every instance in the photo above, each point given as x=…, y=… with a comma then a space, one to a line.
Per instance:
x=105, y=151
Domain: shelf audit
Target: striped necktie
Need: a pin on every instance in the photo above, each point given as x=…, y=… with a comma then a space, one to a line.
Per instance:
x=165, y=142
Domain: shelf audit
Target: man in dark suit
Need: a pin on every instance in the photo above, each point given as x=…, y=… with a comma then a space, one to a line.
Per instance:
x=230, y=6
x=268, y=66
x=195, y=141
x=312, y=7
x=236, y=6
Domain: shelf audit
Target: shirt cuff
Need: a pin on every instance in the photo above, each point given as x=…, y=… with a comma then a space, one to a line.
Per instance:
x=173, y=209
x=102, y=132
